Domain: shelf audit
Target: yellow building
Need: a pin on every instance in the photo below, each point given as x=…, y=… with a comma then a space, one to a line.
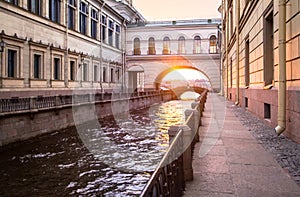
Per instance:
x=261, y=60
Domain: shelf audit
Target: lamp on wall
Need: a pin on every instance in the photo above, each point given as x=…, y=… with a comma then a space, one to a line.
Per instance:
x=2, y=45
x=81, y=59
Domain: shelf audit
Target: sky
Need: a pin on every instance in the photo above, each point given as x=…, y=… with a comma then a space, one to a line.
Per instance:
x=177, y=9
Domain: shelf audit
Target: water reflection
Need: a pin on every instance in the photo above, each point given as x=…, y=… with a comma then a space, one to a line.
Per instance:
x=59, y=163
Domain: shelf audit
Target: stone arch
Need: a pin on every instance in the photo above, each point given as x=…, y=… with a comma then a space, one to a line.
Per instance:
x=197, y=34
x=135, y=75
x=211, y=34
x=161, y=75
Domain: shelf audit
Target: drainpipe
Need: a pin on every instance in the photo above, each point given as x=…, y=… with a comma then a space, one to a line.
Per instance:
x=282, y=69
x=66, y=67
x=226, y=45
x=124, y=42
x=237, y=52
x=101, y=43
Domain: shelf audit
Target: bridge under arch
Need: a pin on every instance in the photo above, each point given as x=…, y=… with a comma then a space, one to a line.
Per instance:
x=155, y=67
x=178, y=91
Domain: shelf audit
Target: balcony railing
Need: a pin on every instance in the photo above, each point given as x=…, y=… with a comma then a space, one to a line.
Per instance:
x=17, y=104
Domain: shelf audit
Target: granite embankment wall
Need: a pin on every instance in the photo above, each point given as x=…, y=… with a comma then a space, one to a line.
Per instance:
x=23, y=118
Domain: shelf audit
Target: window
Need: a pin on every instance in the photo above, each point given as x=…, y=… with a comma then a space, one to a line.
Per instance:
x=94, y=22
x=117, y=37
x=267, y=111
x=213, y=44
x=85, y=72
x=110, y=32
x=11, y=63
x=72, y=70
x=71, y=14
x=95, y=72
x=56, y=70
x=111, y=75
x=136, y=46
x=247, y=53
x=104, y=26
x=230, y=21
x=83, y=17
x=104, y=74
x=54, y=10
x=151, y=46
x=118, y=74
x=197, y=44
x=37, y=66
x=15, y=2
x=35, y=6
x=268, y=48
x=166, y=46
x=181, y=45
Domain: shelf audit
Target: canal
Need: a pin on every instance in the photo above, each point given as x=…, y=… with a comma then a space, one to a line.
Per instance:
x=117, y=161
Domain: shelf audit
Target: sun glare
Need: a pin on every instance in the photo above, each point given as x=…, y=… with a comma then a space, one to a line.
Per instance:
x=184, y=74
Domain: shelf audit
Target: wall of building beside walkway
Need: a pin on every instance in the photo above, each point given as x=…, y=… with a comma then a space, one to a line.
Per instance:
x=21, y=125
x=259, y=62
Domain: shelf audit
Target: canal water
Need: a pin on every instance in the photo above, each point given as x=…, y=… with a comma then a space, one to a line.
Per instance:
x=60, y=163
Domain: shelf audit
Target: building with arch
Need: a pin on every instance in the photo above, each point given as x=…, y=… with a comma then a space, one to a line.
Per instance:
x=157, y=46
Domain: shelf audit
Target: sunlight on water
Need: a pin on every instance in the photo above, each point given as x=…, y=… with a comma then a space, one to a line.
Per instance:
x=59, y=163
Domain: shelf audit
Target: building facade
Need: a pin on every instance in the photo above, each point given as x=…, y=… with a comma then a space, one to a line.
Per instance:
x=156, y=48
x=261, y=58
x=54, y=45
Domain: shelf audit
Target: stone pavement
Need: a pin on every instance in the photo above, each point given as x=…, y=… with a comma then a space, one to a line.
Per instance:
x=229, y=161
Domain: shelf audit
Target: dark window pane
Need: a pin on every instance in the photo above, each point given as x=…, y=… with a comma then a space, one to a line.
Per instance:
x=72, y=70
x=11, y=63
x=37, y=66
x=56, y=68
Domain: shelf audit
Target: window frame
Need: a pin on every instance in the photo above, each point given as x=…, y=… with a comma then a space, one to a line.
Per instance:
x=197, y=45
x=55, y=13
x=181, y=45
x=213, y=44
x=110, y=32
x=151, y=46
x=166, y=45
x=38, y=10
x=57, y=71
x=83, y=17
x=12, y=72
x=72, y=9
x=94, y=22
x=136, y=46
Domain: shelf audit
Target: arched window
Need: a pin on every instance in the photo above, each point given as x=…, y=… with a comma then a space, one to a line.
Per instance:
x=181, y=45
x=136, y=46
x=151, y=46
x=197, y=44
x=166, y=46
x=213, y=44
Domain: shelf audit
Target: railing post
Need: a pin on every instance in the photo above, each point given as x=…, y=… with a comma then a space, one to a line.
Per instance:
x=187, y=149
x=57, y=100
x=193, y=123
x=32, y=102
x=196, y=105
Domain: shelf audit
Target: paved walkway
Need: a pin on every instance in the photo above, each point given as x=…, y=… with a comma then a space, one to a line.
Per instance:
x=231, y=162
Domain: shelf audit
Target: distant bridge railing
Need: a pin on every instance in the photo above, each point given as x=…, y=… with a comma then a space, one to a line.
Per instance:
x=175, y=167
x=16, y=104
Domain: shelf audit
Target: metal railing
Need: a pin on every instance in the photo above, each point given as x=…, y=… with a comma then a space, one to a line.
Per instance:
x=168, y=178
x=16, y=104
